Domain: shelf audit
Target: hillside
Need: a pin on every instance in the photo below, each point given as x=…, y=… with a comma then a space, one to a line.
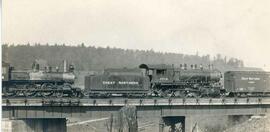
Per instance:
x=97, y=58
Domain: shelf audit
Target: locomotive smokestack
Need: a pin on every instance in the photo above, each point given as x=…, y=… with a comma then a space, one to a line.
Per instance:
x=195, y=66
x=191, y=66
x=65, y=65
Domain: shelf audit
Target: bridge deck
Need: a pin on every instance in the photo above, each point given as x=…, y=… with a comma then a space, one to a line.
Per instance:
x=132, y=102
x=100, y=108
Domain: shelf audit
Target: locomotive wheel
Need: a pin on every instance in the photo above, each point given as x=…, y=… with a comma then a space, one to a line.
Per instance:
x=180, y=94
x=18, y=93
x=75, y=93
x=194, y=95
x=163, y=93
x=79, y=94
x=28, y=92
x=59, y=94
x=46, y=93
x=46, y=89
x=9, y=94
x=6, y=93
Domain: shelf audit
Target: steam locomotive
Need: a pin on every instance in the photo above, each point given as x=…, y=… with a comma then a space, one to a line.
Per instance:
x=156, y=80
x=38, y=82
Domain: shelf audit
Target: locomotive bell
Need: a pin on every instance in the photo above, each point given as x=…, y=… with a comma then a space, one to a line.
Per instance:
x=71, y=68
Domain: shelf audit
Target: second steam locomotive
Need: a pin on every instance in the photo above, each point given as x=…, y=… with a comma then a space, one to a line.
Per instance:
x=38, y=82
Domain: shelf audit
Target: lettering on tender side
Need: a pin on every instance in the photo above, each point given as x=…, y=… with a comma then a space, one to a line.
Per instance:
x=108, y=82
x=120, y=82
x=126, y=82
x=163, y=79
x=250, y=78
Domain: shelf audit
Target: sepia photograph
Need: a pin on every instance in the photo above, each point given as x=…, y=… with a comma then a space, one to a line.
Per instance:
x=135, y=66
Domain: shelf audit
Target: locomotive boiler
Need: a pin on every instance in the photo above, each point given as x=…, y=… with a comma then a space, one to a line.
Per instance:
x=38, y=82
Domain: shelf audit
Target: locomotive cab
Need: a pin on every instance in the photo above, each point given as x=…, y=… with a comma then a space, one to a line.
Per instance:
x=158, y=73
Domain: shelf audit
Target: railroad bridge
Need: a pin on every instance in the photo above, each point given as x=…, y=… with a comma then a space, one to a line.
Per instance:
x=55, y=110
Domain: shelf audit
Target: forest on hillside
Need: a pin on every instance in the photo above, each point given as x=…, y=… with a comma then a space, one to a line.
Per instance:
x=97, y=58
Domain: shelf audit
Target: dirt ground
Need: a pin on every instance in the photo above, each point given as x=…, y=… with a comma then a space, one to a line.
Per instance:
x=197, y=123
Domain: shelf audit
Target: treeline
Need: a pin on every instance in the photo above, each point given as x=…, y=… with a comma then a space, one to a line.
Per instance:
x=97, y=58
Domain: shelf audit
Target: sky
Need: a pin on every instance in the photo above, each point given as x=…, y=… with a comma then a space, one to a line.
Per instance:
x=234, y=28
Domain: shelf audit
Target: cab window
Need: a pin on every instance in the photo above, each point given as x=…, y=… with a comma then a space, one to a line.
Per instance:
x=161, y=72
x=150, y=72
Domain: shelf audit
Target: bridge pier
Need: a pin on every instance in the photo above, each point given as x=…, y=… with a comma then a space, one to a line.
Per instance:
x=38, y=125
x=161, y=125
x=236, y=119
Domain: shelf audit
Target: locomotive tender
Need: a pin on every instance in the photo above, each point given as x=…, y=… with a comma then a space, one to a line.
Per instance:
x=117, y=82
x=37, y=82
